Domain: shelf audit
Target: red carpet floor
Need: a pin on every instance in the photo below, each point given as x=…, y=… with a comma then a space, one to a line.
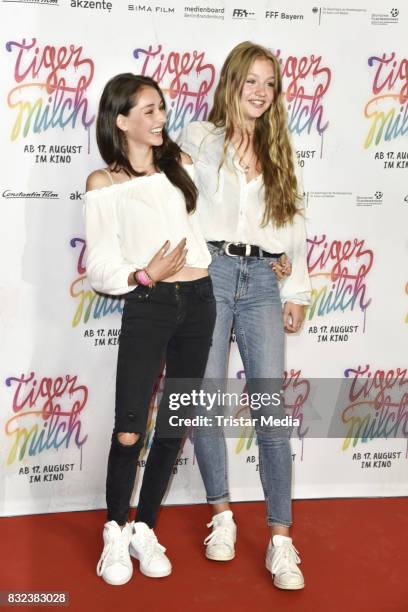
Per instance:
x=354, y=558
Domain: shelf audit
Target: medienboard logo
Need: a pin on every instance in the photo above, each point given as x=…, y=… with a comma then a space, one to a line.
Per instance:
x=239, y=13
x=204, y=12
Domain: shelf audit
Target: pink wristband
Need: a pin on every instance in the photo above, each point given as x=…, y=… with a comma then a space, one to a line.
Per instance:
x=143, y=278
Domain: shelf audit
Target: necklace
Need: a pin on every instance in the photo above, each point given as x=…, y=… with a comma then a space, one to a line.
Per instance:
x=243, y=140
x=245, y=164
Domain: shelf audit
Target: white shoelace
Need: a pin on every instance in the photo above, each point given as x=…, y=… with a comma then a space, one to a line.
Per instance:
x=150, y=546
x=221, y=534
x=119, y=552
x=285, y=557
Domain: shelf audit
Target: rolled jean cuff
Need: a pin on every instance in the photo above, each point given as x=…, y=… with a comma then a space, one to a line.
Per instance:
x=272, y=522
x=219, y=499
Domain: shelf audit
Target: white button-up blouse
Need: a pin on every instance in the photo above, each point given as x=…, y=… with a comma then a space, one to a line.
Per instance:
x=231, y=209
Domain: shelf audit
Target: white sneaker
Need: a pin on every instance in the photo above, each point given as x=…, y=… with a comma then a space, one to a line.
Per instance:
x=145, y=547
x=281, y=560
x=115, y=565
x=220, y=542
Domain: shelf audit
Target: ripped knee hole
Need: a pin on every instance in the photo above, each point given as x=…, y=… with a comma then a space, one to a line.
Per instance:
x=128, y=439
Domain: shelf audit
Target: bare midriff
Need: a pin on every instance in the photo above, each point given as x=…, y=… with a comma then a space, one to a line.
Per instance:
x=187, y=274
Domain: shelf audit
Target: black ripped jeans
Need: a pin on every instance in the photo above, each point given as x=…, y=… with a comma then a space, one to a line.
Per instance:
x=171, y=323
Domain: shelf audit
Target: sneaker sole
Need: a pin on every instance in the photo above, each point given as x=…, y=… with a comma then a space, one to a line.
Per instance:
x=217, y=558
x=280, y=585
x=285, y=587
x=155, y=575
x=146, y=572
x=115, y=582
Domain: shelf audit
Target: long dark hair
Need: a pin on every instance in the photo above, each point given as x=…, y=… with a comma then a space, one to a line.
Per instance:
x=118, y=97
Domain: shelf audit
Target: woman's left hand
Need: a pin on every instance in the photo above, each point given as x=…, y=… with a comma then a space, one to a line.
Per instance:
x=293, y=316
x=282, y=267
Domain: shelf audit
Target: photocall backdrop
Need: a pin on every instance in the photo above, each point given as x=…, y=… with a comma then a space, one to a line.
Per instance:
x=345, y=74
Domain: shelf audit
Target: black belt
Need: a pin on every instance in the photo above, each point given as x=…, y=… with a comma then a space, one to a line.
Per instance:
x=239, y=249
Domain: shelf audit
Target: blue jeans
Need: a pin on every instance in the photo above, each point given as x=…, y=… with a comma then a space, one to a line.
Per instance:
x=247, y=298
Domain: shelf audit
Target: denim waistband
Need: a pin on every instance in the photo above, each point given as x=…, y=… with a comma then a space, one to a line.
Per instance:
x=183, y=286
x=173, y=287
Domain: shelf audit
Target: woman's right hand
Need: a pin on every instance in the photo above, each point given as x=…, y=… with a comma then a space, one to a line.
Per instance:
x=164, y=264
x=282, y=267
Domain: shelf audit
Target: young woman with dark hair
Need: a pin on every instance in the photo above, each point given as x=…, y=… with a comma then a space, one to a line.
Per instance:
x=144, y=242
x=249, y=211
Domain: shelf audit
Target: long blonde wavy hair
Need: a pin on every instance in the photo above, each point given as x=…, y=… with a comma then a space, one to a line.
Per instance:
x=271, y=136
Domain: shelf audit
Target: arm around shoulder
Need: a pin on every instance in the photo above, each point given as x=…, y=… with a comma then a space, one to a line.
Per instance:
x=190, y=138
x=186, y=159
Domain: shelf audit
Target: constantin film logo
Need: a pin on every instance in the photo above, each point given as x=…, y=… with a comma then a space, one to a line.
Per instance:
x=42, y=2
x=41, y=194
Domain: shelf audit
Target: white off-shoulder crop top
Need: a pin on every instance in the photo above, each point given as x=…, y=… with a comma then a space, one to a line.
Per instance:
x=127, y=223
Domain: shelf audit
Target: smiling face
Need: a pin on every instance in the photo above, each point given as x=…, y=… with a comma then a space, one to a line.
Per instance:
x=144, y=123
x=258, y=90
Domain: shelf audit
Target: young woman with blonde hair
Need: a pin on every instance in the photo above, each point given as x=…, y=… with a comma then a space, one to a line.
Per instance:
x=249, y=210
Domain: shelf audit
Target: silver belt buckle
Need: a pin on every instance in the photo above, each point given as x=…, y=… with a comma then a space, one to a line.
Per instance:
x=247, y=249
x=226, y=249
